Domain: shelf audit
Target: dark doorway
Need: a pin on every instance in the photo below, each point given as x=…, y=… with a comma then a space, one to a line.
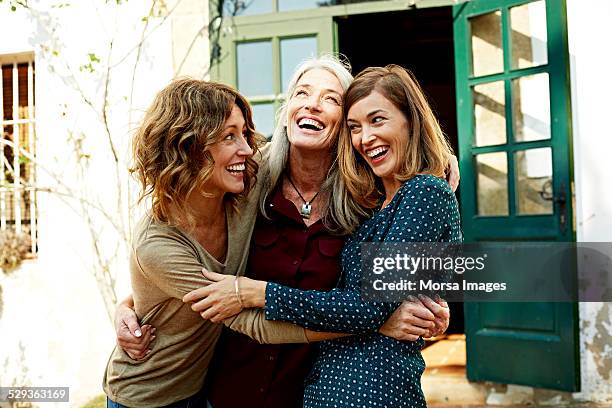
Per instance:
x=422, y=41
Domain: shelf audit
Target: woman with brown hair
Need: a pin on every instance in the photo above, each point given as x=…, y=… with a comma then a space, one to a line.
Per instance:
x=193, y=158
x=393, y=159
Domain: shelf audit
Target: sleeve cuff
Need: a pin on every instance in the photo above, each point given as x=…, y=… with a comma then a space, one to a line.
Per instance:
x=273, y=308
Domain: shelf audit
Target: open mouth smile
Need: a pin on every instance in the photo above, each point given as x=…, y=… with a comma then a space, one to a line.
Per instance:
x=310, y=124
x=377, y=154
x=236, y=169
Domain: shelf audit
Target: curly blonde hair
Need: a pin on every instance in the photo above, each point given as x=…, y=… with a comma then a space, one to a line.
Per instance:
x=171, y=147
x=427, y=150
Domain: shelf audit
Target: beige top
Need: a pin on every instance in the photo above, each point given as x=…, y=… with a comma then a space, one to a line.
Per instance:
x=165, y=265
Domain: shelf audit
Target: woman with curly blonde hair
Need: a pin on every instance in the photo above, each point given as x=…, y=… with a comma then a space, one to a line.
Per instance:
x=194, y=159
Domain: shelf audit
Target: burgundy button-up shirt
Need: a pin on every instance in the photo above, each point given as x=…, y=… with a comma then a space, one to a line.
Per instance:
x=245, y=373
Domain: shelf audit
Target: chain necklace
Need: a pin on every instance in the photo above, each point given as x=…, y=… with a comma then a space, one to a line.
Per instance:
x=307, y=206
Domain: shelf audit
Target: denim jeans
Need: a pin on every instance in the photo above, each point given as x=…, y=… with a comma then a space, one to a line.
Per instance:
x=195, y=401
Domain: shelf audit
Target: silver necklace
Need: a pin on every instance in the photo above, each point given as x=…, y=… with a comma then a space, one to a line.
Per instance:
x=307, y=206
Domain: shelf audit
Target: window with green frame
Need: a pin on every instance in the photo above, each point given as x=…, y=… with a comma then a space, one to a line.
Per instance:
x=509, y=83
x=263, y=70
x=254, y=7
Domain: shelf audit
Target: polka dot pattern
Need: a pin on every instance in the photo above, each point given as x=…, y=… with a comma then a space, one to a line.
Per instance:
x=369, y=369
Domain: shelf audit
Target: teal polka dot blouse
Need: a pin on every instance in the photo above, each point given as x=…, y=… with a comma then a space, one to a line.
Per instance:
x=369, y=369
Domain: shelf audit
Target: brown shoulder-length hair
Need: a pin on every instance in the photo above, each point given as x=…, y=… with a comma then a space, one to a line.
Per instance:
x=427, y=150
x=171, y=148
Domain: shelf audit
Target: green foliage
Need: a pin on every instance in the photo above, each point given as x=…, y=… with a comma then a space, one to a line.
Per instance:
x=93, y=57
x=90, y=66
x=15, y=3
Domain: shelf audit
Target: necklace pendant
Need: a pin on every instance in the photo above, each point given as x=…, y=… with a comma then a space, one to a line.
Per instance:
x=306, y=210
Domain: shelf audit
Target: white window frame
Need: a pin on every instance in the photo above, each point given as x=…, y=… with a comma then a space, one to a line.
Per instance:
x=17, y=186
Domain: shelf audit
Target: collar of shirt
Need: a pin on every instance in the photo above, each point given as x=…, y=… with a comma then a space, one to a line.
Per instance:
x=286, y=209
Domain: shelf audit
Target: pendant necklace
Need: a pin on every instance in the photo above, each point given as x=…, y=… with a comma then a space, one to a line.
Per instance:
x=307, y=206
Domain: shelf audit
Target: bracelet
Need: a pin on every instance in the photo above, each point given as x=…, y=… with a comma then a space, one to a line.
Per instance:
x=237, y=288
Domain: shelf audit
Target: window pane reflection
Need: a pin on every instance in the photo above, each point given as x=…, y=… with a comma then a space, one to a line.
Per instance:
x=263, y=116
x=492, y=184
x=247, y=8
x=489, y=114
x=529, y=36
x=254, y=62
x=531, y=108
x=487, y=51
x=289, y=5
x=293, y=51
x=534, y=181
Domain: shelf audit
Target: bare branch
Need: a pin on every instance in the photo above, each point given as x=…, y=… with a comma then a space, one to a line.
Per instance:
x=137, y=46
x=105, y=107
x=140, y=45
x=62, y=189
x=101, y=217
x=191, y=45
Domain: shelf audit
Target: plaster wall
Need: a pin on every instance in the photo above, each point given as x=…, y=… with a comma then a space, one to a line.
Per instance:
x=54, y=327
x=590, y=66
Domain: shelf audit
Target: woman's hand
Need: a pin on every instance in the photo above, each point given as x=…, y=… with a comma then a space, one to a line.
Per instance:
x=411, y=320
x=216, y=301
x=441, y=311
x=132, y=338
x=453, y=176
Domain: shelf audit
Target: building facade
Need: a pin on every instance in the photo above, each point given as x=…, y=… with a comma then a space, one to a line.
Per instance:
x=520, y=88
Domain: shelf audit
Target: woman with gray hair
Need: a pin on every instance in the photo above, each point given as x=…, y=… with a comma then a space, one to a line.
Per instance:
x=305, y=216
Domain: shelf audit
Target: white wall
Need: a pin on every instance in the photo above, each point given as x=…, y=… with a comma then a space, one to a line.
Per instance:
x=54, y=328
x=591, y=64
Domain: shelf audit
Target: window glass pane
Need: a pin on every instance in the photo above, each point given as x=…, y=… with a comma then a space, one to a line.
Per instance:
x=293, y=51
x=254, y=62
x=534, y=181
x=263, y=116
x=288, y=5
x=492, y=182
x=247, y=7
x=531, y=108
x=489, y=113
x=529, y=37
x=487, y=51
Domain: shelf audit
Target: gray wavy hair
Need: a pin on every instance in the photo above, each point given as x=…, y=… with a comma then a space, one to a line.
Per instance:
x=342, y=214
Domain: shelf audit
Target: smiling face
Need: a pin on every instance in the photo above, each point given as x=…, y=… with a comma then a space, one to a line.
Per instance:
x=229, y=154
x=379, y=133
x=314, y=110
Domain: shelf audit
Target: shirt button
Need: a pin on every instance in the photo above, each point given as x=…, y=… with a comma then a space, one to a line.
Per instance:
x=261, y=389
x=271, y=204
x=295, y=262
